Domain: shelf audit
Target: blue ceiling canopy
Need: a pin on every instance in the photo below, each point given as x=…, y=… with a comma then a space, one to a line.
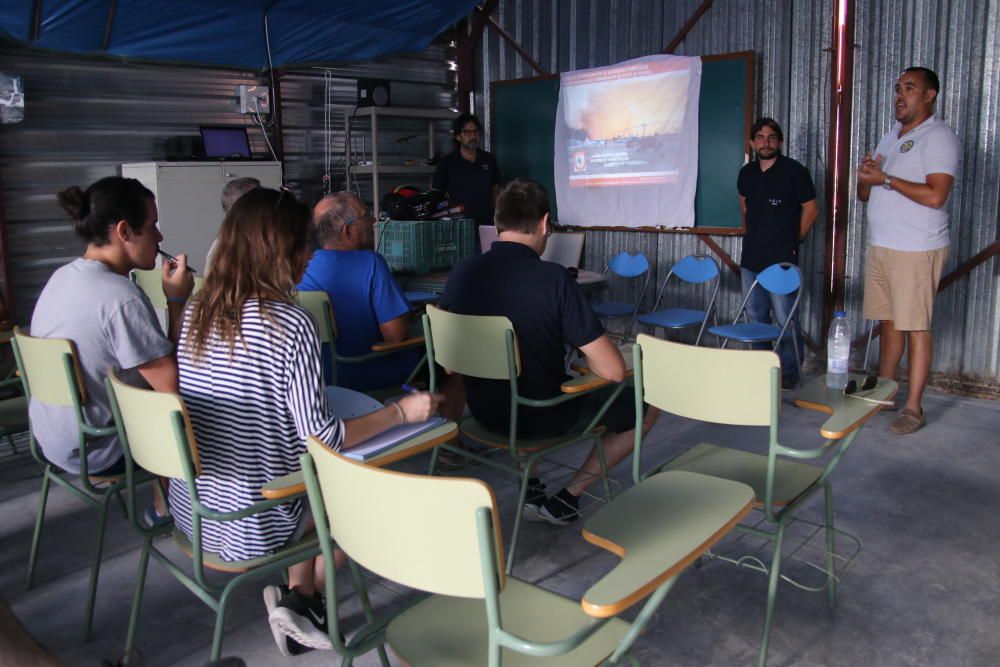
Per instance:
x=232, y=33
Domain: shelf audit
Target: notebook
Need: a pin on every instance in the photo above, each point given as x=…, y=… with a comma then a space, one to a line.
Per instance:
x=347, y=403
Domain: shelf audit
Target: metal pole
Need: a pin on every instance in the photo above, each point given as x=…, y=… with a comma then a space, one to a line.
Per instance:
x=839, y=168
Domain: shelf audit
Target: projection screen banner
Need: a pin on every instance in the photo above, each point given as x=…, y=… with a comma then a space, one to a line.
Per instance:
x=626, y=143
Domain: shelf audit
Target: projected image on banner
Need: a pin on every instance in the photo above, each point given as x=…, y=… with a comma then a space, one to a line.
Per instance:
x=626, y=143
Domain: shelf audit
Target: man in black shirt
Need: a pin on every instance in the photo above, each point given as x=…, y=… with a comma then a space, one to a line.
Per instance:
x=469, y=175
x=778, y=201
x=548, y=311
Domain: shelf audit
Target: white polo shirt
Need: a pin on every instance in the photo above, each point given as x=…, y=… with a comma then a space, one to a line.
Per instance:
x=895, y=221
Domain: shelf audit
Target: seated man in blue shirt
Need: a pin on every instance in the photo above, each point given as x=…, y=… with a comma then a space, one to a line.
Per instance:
x=368, y=304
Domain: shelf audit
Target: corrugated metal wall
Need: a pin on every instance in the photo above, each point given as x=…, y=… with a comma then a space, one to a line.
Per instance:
x=790, y=38
x=417, y=80
x=83, y=118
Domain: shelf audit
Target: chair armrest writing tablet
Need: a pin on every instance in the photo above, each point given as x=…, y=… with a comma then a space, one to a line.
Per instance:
x=286, y=486
x=658, y=528
x=417, y=341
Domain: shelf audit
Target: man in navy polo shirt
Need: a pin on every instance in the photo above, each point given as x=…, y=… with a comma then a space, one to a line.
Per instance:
x=469, y=175
x=549, y=312
x=778, y=201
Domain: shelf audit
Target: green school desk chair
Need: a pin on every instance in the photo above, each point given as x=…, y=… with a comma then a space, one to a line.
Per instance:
x=50, y=374
x=486, y=347
x=156, y=435
x=445, y=539
x=318, y=304
x=150, y=281
x=739, y=387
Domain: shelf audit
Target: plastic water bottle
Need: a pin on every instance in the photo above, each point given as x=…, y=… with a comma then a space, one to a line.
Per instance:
x=838, y=351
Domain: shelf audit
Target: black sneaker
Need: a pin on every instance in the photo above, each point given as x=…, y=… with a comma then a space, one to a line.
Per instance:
x=297, y=618
x=789, y=382
x=533, y=500
x=561, y=509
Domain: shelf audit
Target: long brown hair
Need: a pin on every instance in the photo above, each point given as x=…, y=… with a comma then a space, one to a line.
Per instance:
x=261, y=254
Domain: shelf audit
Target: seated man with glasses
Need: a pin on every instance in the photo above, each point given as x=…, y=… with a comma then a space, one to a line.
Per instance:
x=549, y=312
x=368, y=304
x=469, y=175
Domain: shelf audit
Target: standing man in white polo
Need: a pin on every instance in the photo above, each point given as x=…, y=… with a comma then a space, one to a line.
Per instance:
x=906, y=184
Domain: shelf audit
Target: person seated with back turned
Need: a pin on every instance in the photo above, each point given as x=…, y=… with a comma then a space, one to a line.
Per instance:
x=251, y=380
x=548, y=311
x=368, y=304
x=232, y=191
x=92, y=302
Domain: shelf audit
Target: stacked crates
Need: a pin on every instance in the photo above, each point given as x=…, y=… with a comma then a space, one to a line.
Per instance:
x=419, y=246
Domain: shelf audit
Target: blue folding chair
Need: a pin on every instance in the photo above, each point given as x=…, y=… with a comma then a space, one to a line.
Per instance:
x=629, y=266
x=695, y=270
x=783, y=278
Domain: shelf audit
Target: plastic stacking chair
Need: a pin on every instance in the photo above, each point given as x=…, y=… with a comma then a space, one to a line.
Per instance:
x=694, y=270
x=739, y=387
x=50, y=374
x=442, y=536
x=632, y=267
x=486, y=347
x=318, y=304
x=150, y=281
x=783, y=278
x=156, y=435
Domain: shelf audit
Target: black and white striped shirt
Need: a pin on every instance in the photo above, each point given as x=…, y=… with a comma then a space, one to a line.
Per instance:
x=251, y=415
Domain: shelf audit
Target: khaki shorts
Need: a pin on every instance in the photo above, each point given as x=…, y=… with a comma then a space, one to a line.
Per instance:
x=900, y=286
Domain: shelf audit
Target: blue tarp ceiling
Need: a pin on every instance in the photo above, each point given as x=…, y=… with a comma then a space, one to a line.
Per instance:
x=231, y=32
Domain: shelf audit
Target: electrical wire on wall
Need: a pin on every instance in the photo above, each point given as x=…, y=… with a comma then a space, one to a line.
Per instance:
x=327, y=130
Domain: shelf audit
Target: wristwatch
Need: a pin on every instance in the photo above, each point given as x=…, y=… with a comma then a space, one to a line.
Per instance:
x=887, y=183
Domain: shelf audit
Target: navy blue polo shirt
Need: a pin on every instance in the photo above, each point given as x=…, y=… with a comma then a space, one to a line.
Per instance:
x=774, y=201
x=548, y=311
x=469, y=183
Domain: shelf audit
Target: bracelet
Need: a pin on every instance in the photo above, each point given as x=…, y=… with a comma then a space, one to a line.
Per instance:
x=177, y=299
x=402, y=417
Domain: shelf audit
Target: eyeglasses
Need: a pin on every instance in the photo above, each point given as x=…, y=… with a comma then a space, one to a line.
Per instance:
x=281, y=195
x=366, y=215
x=469, y=132
x=869, y=383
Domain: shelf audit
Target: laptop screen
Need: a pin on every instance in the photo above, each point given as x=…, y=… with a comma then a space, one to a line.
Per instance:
x=225, y=142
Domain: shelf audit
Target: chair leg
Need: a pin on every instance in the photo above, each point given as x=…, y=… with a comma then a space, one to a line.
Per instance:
x=604, y=466
x=36, y=538
x=140, y=585
x=434, y=461
x=220, y=621
x=831, y=560
x=522, y=494
x=95, y=570
x=772, y=593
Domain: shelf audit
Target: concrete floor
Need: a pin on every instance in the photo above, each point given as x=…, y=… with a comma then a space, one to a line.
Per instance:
x=924, y=590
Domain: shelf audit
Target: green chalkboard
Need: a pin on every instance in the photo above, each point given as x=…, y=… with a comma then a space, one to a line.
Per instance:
x=523, y=128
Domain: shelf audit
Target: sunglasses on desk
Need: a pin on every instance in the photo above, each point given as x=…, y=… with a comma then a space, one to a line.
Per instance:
x=870, y=382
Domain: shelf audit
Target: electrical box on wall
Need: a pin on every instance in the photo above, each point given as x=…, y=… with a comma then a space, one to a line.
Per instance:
x=254, y=99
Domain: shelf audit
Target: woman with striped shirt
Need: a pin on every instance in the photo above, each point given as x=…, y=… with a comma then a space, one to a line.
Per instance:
x=250, y=375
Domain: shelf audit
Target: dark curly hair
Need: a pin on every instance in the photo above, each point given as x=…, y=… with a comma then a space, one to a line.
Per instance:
x=97, y=209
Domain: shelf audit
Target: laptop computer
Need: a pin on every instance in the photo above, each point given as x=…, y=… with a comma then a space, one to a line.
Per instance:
x=225, y=142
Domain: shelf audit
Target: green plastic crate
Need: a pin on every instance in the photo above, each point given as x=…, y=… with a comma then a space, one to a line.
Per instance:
x=423, y=245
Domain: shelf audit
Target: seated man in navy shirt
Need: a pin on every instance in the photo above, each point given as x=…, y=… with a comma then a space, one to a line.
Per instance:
x=549, y=312
x=368, y=304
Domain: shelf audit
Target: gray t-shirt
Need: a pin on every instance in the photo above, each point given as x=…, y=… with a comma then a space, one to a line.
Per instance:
x=112, y=324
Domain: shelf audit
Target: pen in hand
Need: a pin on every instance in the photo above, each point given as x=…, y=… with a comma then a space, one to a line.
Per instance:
x=171, y=258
